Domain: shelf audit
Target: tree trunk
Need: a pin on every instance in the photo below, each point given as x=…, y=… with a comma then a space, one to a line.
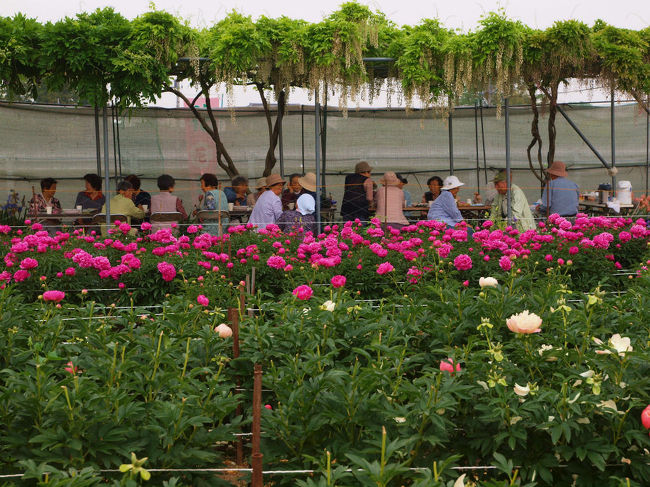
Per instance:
x=552, y=112
x=273, y=128
x=212, y=129
x=537, y=139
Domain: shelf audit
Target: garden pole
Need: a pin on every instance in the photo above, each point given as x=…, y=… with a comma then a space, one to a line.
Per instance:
x=613, y=141
x=323, y=139
x=302, y=135
x=119, y=149
x=281, y=153
x=508, y=177
x=256, y=461
x=478, y=165
x=97, y=144
x=647, y=148
x=317, y=150
x=483, y=142
x=252, y=280
x=233, y=317
x=107, y=181
x=451, y=141
x=114, y=140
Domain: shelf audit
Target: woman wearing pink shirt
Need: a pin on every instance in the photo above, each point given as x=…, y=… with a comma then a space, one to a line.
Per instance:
x=390, y=201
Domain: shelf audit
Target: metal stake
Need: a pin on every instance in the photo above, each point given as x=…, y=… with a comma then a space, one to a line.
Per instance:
x=107, y=181
x=508, y=178
x=317, y=150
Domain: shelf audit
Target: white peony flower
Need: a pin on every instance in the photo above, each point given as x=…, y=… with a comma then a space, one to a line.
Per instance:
x=524, y=322
x=617, y=342
x=488, y=282
x=522, y=391
x=328, y=306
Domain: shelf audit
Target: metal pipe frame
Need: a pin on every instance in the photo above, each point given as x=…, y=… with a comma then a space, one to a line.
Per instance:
x=612, y=123
x=451, y=142
x=107, y=181
x=317, y=156
x=508, y=178
x=583, y=137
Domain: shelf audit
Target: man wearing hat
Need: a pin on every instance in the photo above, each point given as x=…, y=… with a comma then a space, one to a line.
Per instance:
x=269, y=206
x=294, y=189
x=560, y=194
x=444, y=208
x=358, y=193
x=522, y=216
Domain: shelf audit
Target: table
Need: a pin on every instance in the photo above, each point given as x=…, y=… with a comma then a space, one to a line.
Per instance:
x=469, y=212
x=594, y=207
x=70, y=216
x=243, y=213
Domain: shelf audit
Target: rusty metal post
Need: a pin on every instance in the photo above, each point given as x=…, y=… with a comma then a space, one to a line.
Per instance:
x=256, y=460
x=233, y=317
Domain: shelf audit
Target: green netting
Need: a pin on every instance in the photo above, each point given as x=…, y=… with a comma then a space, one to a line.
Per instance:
x=40, y=141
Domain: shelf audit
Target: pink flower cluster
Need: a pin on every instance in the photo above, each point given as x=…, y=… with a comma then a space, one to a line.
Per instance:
x=167, y=270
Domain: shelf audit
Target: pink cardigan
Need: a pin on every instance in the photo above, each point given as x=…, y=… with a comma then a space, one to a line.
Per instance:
x=390, y=202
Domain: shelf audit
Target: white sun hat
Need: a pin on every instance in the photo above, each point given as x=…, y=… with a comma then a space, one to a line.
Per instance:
x=451, y=182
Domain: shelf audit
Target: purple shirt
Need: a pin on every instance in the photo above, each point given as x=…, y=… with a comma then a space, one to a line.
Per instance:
x=267, y=210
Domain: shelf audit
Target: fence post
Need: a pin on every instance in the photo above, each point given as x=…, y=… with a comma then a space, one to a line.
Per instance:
x=233, y=317
x=256, y=460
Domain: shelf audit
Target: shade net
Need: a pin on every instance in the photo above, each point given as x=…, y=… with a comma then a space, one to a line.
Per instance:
x=56, y=141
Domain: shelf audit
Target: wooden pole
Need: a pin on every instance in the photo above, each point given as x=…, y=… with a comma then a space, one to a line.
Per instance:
x=233, y=317
x=256, y=460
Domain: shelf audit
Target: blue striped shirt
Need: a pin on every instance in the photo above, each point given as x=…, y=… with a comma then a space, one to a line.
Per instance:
x=563, y=195
x=445, y=209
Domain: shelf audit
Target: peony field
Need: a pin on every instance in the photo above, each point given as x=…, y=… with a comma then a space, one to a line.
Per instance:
x=417, y=357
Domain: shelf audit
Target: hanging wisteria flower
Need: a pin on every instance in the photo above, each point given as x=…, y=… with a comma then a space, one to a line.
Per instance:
x=53, y=296
x=488, y=282
x=463, y=262
x=303, y=292
x=202, y=300
x=524, y=322
x=338, y=281
x=385, y=268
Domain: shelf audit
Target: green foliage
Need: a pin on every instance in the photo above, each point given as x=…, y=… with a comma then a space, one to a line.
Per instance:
x=20, y=50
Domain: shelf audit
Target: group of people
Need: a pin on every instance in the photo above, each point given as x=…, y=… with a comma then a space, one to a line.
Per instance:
x=293, y=208
x=361, y=196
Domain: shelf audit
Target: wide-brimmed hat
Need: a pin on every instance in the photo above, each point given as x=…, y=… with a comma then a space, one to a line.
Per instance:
x=389, y=179
x=260, y=183
x=558, y=169
x=451, y=182
x=308, y=181
x=401, y=178
x=306, y=204
x=500, y=176
x=273, y=179
x=362, y=166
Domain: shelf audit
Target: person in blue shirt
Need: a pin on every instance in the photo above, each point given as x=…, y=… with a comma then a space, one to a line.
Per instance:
x=560, y=194
x=444, y=208
x=237, y=191
x=213, y=199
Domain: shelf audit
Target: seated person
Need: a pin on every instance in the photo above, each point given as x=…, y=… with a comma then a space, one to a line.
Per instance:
x=521, y=214
x=252, y=198
x=390, y=201
x=444, y=208
x=435, y=186
x=166, y=202
x=92, y=198
x=40, y=202
x=214, y=200
x=122, y=204
x=268, y=208
x=237, y=191
x=290, y=195
x=140, y=197
x=300, y=218
x=560, y=195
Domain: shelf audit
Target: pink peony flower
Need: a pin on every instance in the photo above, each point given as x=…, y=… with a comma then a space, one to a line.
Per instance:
x=505, y=263
x=28, y=263
x=202, y=300
x=303, y=292
x=55, y=296
x=223, y=330
x=447, y=365
x=385, y=268
x=276, y=262
x=71, y=369
x=167, y=270
x=338, y=281
x=145, y=226
x=463, y=262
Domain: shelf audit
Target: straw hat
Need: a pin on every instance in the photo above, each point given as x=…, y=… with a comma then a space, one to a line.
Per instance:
x=261, y=183
x=451, y=182
x=362, y=166
x=273, y=179
x=308, y=181
x=558, y=169
x=389, y=179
